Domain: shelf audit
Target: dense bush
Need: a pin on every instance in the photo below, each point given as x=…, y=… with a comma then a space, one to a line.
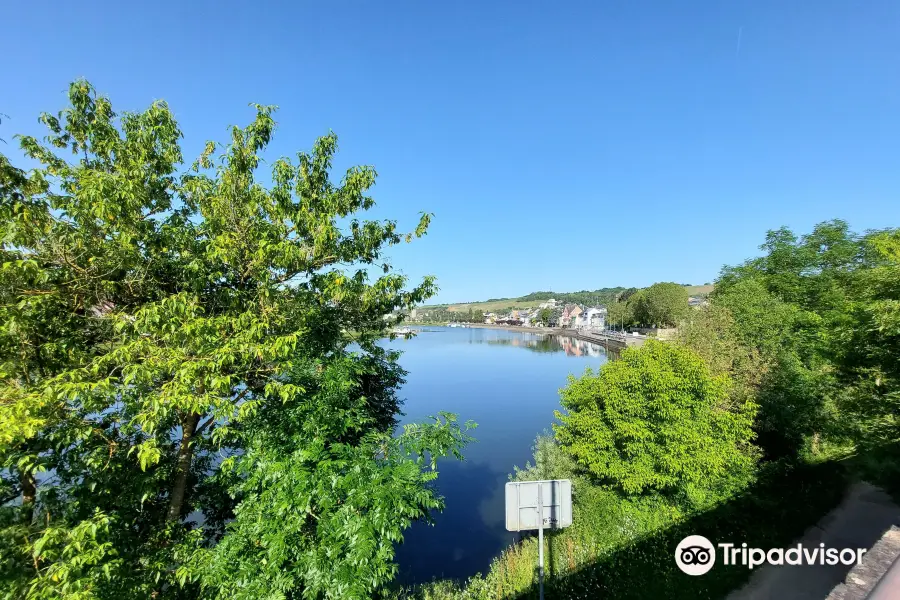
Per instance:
x=656, y=419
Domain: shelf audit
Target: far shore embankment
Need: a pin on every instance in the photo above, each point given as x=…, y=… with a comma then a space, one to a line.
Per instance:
x=587, y=336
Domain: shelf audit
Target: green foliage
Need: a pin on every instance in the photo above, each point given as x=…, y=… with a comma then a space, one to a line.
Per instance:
x=177, y=341
x=657, y=420
x=603, y=521
x=775, y=512
x=867, y=344
x=762, y=321
x=751, y=336
x=619, y=315
x=592, y=298
x=661, y=305
x=555, y=316
x=304, y=535
x=441, y=314
x=819, y=308
x=545, y=316
x=622, y=546
x=73, y=562
x=811, y=271
x=711, y=332
x=550, y=462
x=626, y=294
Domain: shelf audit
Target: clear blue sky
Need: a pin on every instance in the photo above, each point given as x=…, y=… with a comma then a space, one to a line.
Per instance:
x=563, y=145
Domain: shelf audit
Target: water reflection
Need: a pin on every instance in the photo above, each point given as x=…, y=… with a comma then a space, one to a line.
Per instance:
x=553, y=343
x=481, y=375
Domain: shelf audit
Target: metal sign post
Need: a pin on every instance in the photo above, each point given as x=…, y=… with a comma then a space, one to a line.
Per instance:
x=532, y=504
x=540, y=511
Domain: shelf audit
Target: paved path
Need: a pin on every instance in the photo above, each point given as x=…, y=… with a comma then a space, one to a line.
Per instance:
x=863, y=517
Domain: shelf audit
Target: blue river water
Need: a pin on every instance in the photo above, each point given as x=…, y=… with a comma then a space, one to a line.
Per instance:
x=507, y=382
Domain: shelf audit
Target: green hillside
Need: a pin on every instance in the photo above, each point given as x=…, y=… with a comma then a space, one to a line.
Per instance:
x=699, y=290
x=600, y=296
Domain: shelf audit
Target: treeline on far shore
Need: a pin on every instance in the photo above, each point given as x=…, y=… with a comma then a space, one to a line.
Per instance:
x=662, y=304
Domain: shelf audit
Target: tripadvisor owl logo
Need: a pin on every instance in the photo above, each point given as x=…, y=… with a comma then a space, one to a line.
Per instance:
x=695, y=555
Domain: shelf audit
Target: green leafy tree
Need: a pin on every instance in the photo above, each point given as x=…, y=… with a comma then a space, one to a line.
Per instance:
x=475, y=316
x=661, y=305
x=790, y=397
x=177, y=342
x=867, y=343
x=550, y=462
x=555, y=316
x=657, y=420
x=711, y=332
x=626, y=294
x=814, y=271
x=761, y=319
x=620, y=314
x=810, y=301
x=545, y=315
x=792, y=387
x=600, y=296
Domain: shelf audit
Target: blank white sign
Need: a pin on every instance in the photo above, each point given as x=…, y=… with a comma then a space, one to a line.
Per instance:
x=522, y=504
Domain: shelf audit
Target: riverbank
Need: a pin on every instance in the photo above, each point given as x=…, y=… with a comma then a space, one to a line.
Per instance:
x=587, y=336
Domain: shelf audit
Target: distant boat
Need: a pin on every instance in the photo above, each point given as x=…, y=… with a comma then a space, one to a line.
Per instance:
x=457, y=325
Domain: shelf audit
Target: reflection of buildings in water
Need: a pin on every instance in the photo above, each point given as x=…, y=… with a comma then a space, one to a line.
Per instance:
x=550, y=343
x=576, y=347
x=592, y=349
x=570, y=346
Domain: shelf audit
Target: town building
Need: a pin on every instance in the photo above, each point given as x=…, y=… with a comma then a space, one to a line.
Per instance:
x=569, y=317
x=593, y=318
x=551, y=304
x=697, y=301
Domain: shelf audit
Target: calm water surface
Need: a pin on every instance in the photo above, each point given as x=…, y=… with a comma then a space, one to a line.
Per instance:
x=508, y=382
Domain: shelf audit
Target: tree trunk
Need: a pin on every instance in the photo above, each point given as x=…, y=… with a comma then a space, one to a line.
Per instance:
x=29, y=494
x=183, y=466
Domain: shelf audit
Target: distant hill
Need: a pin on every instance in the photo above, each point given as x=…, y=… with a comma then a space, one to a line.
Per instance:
x=699, y=290
x=601, y=296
